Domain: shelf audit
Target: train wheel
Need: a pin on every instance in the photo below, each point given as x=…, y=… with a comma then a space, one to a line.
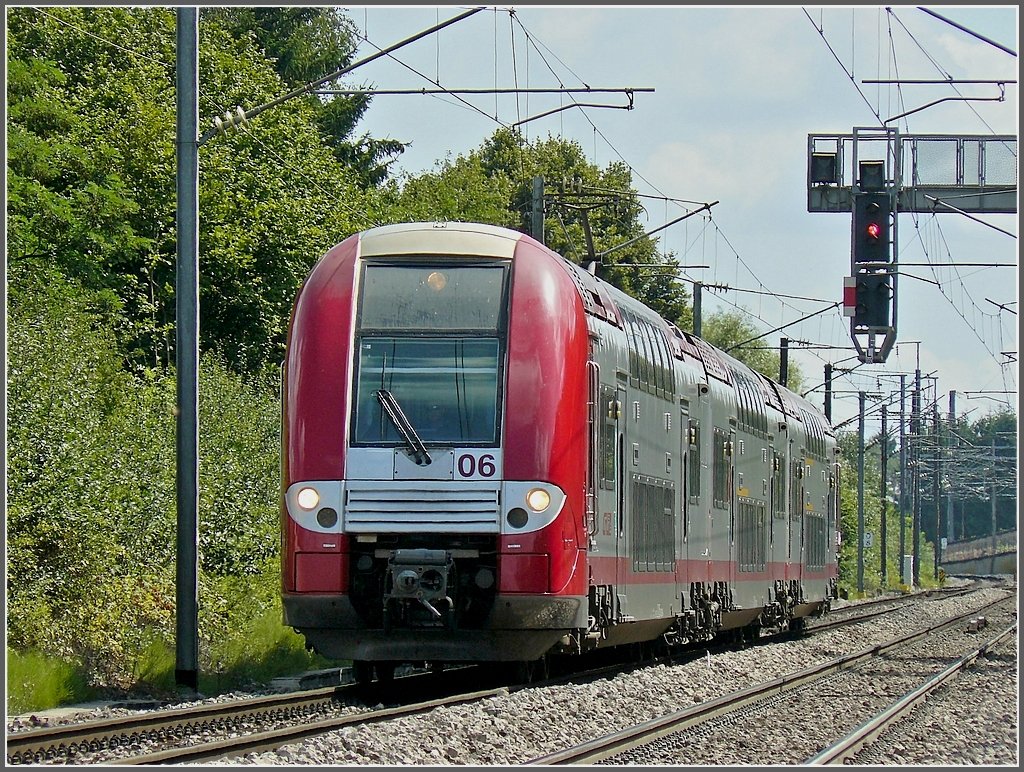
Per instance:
x=752, y=634
x=527, y=672
x=385, y=672
x=798, y=626
x=362, y=672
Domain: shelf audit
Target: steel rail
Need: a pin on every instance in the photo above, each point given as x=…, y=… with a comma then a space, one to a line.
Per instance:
x=49, y=742
x=275, y=738
x=847, y=748
x=642, y=734
x=832, y=624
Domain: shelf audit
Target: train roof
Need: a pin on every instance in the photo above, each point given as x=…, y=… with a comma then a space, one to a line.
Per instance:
x=450, y=238
x=600, y=298
x=717, y=364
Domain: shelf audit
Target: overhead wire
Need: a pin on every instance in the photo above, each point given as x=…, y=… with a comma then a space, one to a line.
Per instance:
x=536, y=43
x=945, y=74
x=849, y=73
x=218, y=107
x=901, y=99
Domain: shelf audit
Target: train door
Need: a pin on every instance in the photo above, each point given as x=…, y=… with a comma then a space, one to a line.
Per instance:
x=832, y=516
x=797, y=518
x=777, y=499
x=697, y=524
x=622, y=560
x=682, y=545
x=597, y=418
x=730, y=455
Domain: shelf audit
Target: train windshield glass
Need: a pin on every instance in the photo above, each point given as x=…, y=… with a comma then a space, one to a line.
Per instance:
x=448, y=389
x=431, y=337
x=432, y=299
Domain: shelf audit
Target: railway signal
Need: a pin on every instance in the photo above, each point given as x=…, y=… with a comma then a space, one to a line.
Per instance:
x=871, y=213
x=871, y=308
x=876, y=172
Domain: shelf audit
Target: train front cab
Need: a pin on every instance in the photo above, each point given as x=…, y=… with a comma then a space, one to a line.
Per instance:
x=435, y=387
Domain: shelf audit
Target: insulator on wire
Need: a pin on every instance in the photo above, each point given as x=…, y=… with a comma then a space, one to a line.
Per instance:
x=230, y=120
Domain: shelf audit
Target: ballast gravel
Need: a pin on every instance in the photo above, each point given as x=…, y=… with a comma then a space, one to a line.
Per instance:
x=975, y=723
x=517, y=727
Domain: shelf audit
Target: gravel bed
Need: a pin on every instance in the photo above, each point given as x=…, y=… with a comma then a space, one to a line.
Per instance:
x=839, y=703
x=977, y=715
x=516, y=727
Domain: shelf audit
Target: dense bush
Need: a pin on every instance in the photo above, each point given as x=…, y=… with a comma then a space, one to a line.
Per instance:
x=872, y=556
x=91, y=488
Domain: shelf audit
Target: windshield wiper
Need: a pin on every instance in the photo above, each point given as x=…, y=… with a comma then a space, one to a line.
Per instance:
x=405, y=428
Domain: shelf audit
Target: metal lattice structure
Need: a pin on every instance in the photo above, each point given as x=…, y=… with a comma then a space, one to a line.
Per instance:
x=930, y=172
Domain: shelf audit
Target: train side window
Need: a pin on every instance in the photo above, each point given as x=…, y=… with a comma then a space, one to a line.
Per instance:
x=720, y=470
x=644, y=352
x=607, y=438
x=694, y=461
x=658, y=359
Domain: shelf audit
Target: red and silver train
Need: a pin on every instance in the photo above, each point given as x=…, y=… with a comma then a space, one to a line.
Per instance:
x=490, y=454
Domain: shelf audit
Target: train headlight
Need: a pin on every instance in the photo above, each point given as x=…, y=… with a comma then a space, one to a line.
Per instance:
x=308, y=498
x=538, y=499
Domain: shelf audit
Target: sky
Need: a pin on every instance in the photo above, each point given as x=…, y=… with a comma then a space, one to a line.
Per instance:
x=736, y=92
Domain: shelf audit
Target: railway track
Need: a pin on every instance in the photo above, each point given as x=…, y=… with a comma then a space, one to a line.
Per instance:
x=849, y=747
x=184, y=733
x=177, y=726
x=881, y=606
x=628, y=745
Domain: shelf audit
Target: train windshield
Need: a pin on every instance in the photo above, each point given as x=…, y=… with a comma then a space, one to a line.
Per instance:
x=432, y=338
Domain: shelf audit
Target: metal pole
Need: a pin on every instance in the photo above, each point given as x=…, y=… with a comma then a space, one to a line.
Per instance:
x=950, y=534
x=860, y=496
x=885, y=508
x=915, y=452
x=936, y=478
x=903, y=479
x=186, y=669
x=828, y=391
x=696, y=307
x=783, y=361
x=537, y=221
x=993, y=567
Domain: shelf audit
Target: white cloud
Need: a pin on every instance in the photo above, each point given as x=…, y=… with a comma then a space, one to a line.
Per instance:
x=728, y=166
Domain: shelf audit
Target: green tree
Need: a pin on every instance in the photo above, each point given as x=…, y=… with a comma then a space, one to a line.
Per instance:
x=91, y=484
x=732, y=332
x=305, y=45
x=494, y=184
x=977, y=458
x=91, y=178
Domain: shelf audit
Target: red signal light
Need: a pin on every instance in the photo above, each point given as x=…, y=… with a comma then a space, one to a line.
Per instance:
x=874, y=230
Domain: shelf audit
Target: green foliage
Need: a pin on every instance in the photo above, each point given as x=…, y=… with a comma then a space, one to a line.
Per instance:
x=305, y=45
x=36, y=681
x=494, y=185
x=985, y=454
x=872, y=556
x=91, y=180
x=243, y=640
x=726, y=329
x=91, y=485
x=461, y=190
